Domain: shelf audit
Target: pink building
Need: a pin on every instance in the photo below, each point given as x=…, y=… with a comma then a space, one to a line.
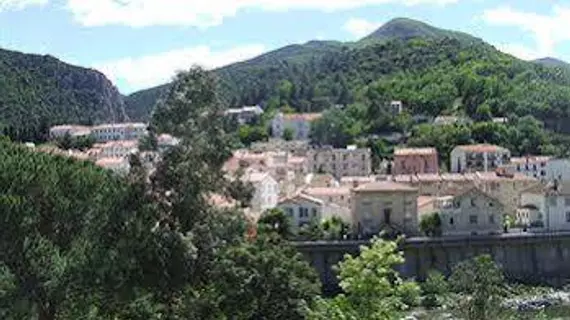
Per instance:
x=415, y=161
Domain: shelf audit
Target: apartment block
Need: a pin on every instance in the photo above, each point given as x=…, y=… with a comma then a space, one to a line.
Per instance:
x=478, y=157
x=415, y=161
x=302, y=208
x=72, y=130
x=351, y=161
x=298, y=123
x=119, y=131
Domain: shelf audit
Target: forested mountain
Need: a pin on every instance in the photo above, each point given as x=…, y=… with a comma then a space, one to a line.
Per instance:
x=38, y=91
x=433, y=71
x=553, y=62
x=405, y=29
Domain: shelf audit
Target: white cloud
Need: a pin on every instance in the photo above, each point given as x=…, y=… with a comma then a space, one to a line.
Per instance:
x=547, y=30
x=6, y=5
x=520, y=51
x=147, y=71
x=359, y=28
x=203, y=13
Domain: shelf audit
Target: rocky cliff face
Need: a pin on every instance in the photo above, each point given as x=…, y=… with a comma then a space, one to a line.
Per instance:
x=39, y=91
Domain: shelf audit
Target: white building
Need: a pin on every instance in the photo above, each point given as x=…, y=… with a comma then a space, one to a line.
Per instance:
x=119, y=131
x=72, y=130
x=351, y=161
x=298, y=123
x=302, y=208
x=548, y=207
x=245, y=114
x=396, y=107
x=544, y=168
x=478, y=157
x=266, y=194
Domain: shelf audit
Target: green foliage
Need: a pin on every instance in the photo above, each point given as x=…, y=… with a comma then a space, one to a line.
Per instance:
x=337, y=128
x=149, y=142
x=335, y=229
x=434, y=289
x=482, y=280
x=430, y=225
x=372, y=288
x=275, y=221
x=37, y=92
x=250, y=134
x=67, y=142
x=288, y=134
x=313, y=231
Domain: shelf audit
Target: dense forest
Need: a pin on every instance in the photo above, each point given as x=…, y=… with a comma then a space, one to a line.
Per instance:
x=433, y=71
x=39, y=91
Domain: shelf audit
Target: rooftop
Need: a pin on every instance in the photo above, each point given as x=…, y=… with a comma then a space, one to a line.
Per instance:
x=331, y=192
x=481, y=148
x=302, y=116
x=384, y=186
x=121, y=125
x=530, y=159
x=104, y=162
x=301, y=197
x=415, y=151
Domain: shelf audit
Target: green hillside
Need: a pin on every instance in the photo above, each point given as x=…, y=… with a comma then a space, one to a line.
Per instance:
x=552, y=62
x=39, y=91
x=433, y=71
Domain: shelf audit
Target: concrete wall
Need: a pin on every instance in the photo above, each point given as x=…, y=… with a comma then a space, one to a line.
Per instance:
x=542, y=258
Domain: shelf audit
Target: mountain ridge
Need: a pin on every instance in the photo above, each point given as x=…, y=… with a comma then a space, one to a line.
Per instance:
x=139, y=104
x=37, y=91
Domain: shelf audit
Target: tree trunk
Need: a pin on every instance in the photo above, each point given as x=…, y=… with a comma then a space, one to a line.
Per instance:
x=47, y=312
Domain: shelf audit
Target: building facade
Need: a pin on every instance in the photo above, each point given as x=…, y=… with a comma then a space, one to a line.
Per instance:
x=415, y=161
x=266, y=191
x=549, y=207
x=479, y=157
x=57, y=132
x=351, y=161
x=245, y=115
x=382, y=206
x=471, y=212
x=298, y=123
x=119, y=131
x=338, y=195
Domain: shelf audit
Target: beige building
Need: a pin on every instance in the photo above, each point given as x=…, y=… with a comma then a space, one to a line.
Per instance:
x=351, y=161
x=384, y=205
x=415, y=161
x=470, y=212
x=302, y=208
x=505, y=187
x=478, y=157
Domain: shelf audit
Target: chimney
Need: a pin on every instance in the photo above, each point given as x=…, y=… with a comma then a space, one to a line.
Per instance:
x=355, y=183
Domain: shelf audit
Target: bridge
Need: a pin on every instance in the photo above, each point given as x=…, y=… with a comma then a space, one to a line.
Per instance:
x=531, y=257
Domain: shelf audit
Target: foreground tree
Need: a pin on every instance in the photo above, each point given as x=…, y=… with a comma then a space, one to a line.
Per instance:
x=56, y=215
x=483, y=281
x=372, y=288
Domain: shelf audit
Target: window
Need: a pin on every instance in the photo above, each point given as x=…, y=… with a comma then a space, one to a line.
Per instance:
x=543, y=173
x=473, y=219
x=492, y=219
x=303, y=212
x=344, y=157
x=451, y=221
x=314, y=212
x=567, y=216
x=491, y=204
x=345, y=166
x=333, y=157
x=387, y=216
x=518, y=167
x=473, y=203
x=289, y=212
x=567, y=201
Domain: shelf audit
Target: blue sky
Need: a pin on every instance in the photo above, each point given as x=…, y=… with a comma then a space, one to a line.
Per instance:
x=141, y=43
